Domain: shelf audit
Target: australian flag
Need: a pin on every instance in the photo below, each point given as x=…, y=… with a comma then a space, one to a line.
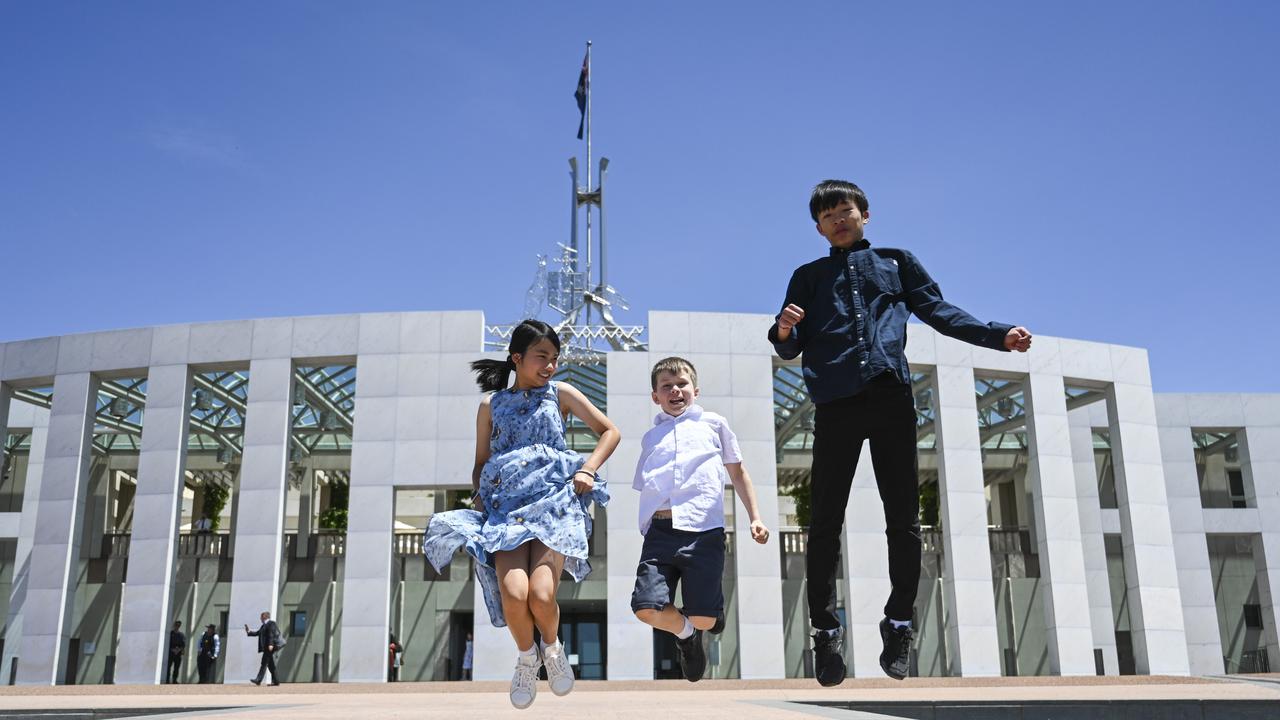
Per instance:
x=581, y=95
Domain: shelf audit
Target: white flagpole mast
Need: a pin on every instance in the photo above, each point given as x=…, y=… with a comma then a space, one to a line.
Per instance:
x=587, y=306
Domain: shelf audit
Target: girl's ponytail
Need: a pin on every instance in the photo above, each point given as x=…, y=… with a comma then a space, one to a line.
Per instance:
x=493, y=375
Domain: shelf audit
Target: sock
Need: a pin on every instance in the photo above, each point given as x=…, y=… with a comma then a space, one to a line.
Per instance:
x=544, y=644
x=687, y=631
x=528, y=652
x=900, y=623
x=826, y=633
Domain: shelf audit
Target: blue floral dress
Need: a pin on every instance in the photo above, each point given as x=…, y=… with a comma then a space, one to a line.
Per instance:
x=527, y=490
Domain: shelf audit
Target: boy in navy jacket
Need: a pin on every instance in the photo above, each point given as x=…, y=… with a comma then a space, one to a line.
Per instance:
x=847, y=314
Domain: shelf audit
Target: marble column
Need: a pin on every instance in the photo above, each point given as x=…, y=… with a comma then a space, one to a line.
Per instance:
x=258, y=523
x=148, y=590
x=1151, y=572
x=629, y=641
x=26, y=540
x=973, y=643
x=493, y=651
x=1097, y=578
x=1191, y=551
x=1260, y=461
x=398, y=439
x=759, y=572
x=1052, y=483
x=55, y=554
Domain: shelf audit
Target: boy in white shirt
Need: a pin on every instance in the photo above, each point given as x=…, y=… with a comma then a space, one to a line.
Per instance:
x=685, y=460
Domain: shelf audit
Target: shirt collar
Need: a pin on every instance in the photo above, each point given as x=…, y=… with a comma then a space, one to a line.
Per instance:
x=860, y=245
x=693, y=412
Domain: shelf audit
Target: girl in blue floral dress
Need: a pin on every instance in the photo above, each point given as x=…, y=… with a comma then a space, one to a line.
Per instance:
x=532, y=494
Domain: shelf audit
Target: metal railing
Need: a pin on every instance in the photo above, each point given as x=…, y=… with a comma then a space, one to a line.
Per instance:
x=794, y=542
x=1251, y=661
x=1012, y=553
x=204, y=545
x=406, y=543
x=329, y=544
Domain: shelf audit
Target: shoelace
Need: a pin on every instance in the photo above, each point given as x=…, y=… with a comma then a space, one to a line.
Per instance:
x=905, y=636
x=824, y=639
x=526, y=676
x=553, y=659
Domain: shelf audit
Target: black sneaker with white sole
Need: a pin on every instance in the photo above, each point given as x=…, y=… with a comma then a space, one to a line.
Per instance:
x=895, y=659
x=693, y=659
x=828, y=656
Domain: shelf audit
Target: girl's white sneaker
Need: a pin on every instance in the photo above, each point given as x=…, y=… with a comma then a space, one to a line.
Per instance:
x=524, y=683
x=559, y=673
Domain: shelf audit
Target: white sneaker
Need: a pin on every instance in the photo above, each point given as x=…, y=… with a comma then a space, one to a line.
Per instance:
x=524, y=683
x=559, y=673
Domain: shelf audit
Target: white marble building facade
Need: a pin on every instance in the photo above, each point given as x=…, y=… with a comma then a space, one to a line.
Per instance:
x=414, y=427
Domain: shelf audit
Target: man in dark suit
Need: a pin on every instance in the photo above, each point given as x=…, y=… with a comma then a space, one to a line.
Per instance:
x=269, y=643
x=177, y=646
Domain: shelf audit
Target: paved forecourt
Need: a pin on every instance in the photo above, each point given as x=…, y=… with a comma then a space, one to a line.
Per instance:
x=711, y=700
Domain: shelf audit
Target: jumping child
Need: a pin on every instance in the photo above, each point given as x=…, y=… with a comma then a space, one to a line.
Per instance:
x=532, y=494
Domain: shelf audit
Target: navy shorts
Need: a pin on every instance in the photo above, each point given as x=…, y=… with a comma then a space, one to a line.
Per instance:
x=695, y=560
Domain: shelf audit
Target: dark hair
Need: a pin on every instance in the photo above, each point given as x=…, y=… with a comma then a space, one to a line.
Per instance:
x=830, y=193
x=675, y=366
x=494, y=375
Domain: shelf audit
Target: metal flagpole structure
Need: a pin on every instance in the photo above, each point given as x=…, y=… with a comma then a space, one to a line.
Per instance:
x=571, y=290
x=587, y=306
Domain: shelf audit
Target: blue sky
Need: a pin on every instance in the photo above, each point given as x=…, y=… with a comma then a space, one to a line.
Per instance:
x=1096, y=170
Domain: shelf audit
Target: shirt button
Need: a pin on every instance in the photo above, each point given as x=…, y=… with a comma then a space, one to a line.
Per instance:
x=864, y=362
x=859, y=316
x=859, y=339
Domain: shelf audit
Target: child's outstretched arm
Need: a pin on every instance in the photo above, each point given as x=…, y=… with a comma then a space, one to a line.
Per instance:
x=484, y=428
x=743, y=488
x=924, y=298
x=572, y=400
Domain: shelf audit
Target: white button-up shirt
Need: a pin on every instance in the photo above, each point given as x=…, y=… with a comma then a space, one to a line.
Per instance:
x=681, y=467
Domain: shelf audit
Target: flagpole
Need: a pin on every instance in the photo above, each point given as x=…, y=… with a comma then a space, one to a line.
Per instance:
x=587, y=306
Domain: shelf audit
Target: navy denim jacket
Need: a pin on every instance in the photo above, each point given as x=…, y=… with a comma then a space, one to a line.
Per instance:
x=856, y=303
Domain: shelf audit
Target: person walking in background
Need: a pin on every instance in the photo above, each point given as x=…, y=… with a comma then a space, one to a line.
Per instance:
x=210, y=646
x=177, y=646
x=269, y=643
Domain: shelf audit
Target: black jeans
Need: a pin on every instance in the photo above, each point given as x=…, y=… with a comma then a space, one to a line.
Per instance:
x=883, y=413
x=174, y=668
x=268, y=663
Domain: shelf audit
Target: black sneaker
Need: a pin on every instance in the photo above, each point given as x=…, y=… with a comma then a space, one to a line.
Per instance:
x=693, y=659
x=828, y=654
x=895, y=659
x=719, y=626
x=255, y=681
